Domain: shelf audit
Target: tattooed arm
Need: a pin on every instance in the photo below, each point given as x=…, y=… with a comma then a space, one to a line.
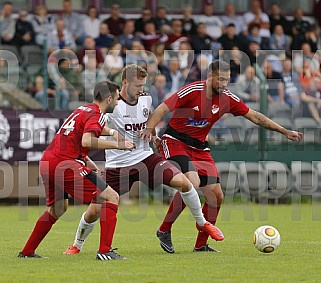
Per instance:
x=263, y=121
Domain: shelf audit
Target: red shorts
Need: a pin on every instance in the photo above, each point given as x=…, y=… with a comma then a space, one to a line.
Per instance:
x=71, y=177
x=194, y=159
x=152, y=171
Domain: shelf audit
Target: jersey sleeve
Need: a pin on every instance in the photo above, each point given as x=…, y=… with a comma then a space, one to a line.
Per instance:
x=175, y=101
x=238, y=107
x=95, y=124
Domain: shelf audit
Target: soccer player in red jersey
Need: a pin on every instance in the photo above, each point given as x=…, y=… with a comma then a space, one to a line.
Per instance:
x=65, y=168
x=142, y=164
x=196, y=107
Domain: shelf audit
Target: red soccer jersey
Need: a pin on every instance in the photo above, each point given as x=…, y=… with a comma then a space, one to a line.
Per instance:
x=67, y=142
x=194, y=113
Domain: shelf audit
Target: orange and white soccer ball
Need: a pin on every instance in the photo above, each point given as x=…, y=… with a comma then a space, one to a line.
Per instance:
x=266, y=239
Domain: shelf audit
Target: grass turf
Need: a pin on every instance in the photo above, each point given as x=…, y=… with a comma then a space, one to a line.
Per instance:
x=296, y=260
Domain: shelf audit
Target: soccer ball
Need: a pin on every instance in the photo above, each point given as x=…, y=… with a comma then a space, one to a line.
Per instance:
x=266, y=239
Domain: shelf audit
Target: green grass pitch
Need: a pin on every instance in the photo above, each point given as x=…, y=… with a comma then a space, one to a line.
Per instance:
x=298, y=259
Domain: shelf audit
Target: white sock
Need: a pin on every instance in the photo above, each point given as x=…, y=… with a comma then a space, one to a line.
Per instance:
x=193, y=202
x=83, y=231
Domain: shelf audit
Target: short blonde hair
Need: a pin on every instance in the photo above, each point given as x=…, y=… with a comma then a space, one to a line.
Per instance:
x=133, y=71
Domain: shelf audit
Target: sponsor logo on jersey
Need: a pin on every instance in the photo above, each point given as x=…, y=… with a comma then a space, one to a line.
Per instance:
x=145, y=112
x=135, y=127
x=196, y=108
x=215, y=109
x=196, y=123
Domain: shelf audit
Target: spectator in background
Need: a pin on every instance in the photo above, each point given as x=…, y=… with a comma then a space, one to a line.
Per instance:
x=292, y=88
x=254, y=34
x=91, y=22
x=138, y=54
x=146, y=16
x=176, y=36
x=159, y=90
x=275, y=85
x=276, y=18
x=60, y=38
x=189, y=26
x=310, y=96
x=24, y=34
x=128, y=36
x=247, y=85
x=104, y=40
x=161, y=18
x=90, y=76
x=43, y=24
x=198, y=71
x=115, y=22
x=257, y=16
x=150, y=36
x=175, y=78
x=234, y=56
x=185, y=55
x=230, y=17
x=158, y=49
x=299, y=56
x=39, y=92
x=63, y=64
x=90, y=50
x=201, y=40
x=278, y=40
x=253, y=53
x=61, y=93
x=230, y=38
x=114, y=62
x=73, y=22
x=213, y=24
x=299, y=27
x=311, y=37
x=8, y=24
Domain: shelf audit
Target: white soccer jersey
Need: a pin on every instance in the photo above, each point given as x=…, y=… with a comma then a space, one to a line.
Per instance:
x=129, y=120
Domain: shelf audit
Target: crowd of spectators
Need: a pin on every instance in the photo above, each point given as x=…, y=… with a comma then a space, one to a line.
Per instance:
x=84, y=49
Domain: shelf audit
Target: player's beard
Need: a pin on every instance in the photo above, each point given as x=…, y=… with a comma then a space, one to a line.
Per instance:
x=216, y=91
x=110, y=108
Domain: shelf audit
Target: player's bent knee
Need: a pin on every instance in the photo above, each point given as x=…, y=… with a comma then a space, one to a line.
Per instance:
x=181, y=183
x=56, y=212
x=109, y=195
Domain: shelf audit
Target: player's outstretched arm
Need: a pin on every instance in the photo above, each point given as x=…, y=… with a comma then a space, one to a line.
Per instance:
x=153, y=121
x=263, y=121
x=90, y=141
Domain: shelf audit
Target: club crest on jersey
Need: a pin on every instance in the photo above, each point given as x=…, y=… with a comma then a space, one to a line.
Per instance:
x=215, y=109
x=145, y=112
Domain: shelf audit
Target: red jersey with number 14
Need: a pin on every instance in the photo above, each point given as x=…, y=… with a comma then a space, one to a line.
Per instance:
x=194, y=113
x=67, y=142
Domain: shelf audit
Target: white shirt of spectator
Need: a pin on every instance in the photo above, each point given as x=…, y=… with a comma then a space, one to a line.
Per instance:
x=250, y=16
x=238, y=21
x=129, y=120
x=91, y=27
x=213, y=25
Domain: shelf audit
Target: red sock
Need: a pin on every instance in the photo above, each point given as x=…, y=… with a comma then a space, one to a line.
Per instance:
x=210, y=214
x=108, y=222
x=42, y=227
x=176, y=207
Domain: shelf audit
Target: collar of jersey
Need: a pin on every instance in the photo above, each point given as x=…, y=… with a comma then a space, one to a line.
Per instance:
x=123, y=99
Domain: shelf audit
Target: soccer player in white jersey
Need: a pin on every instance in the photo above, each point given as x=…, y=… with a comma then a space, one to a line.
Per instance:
x=129, y=118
